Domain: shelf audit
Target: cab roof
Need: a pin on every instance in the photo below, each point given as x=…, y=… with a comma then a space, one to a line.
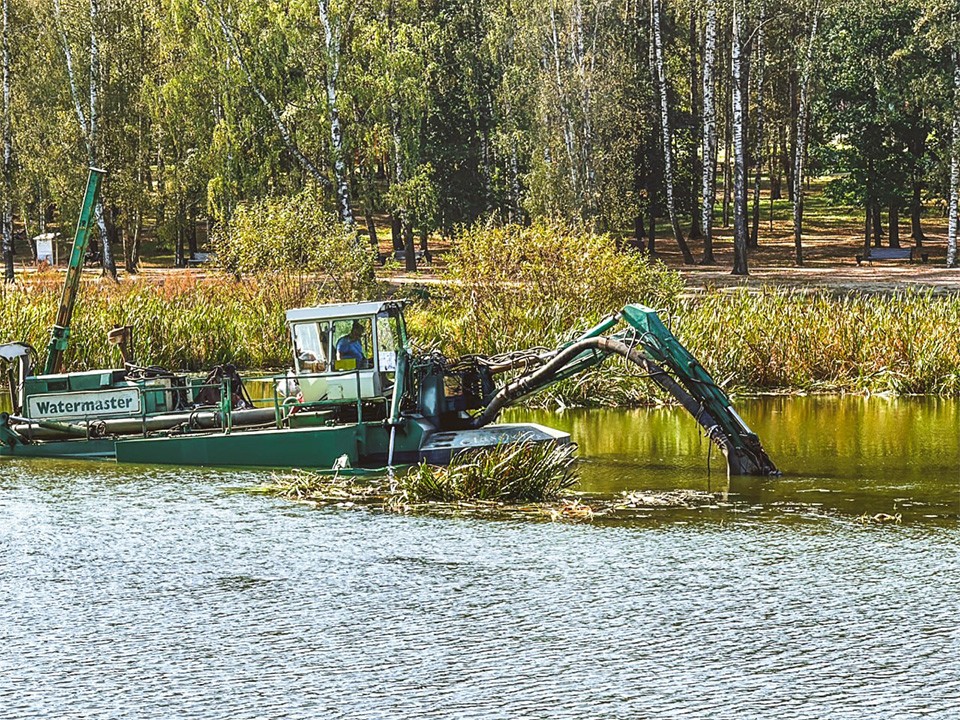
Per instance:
x=340, y=311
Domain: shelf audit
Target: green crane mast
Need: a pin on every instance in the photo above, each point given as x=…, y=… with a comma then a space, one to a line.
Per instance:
x=60, y=334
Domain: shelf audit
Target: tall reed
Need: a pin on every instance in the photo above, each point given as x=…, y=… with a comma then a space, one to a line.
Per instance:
x=180, y=322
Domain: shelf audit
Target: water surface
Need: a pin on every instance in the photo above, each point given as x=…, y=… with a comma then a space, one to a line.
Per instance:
x=131, y=592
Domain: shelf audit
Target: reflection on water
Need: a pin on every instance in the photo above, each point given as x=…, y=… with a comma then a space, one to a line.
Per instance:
x=149, y=593
x=853, y=455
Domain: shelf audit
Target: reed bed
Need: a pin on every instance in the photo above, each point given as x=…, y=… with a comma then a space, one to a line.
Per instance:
x=181, y=322
x=774, y=340
x=903, y=343
x=516, y=473
x=524, y=477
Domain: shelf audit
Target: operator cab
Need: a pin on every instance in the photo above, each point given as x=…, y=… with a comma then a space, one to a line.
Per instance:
x=346, y=351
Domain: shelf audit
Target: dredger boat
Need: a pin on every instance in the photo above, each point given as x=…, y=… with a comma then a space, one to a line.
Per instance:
x=356, y=394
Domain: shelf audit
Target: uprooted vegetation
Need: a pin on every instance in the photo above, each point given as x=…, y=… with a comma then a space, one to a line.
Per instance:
x=518, y=480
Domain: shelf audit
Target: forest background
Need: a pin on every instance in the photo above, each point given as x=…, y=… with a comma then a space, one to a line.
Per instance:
x=434, y=115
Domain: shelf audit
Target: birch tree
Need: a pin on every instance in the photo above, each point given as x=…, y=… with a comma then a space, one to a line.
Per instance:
x=708, y=181
x=89, y=118
x=758, y=139
x=6, y=221
x=954, y=222
x=661, y=80
x=802, y=127
x=334, y=30
x=740, y=265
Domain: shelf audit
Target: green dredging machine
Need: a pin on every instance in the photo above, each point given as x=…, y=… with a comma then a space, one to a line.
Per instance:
x=357, y=393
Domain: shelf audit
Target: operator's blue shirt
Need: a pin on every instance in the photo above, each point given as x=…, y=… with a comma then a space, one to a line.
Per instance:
x=348, y=349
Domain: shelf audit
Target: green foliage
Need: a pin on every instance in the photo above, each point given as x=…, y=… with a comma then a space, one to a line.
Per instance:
x=514, y=287
x=520, y=472
x=296, y=235
x=518, y=286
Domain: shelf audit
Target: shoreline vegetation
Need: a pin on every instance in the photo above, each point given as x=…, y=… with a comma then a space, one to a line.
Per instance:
x=521, y=287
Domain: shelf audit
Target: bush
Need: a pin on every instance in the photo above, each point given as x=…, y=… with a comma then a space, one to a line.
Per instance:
x=294, y=236
x=514, y=287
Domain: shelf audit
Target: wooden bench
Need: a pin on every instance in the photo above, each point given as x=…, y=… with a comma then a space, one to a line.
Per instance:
x=882, y=253
x=201, y=258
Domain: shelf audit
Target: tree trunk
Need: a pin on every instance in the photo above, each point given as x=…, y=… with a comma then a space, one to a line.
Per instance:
x=371, y=229
x=916, y=211
x=396, y=232
x=894, y=225
x=409, y=250
x=801, y=149
x=7, y=216
x=661, y=79
x=953, y=225
x=877, y=226
x=776, y=169
x=867, y=225
x=758, y=140
x=739, y=146
x=696, y=230
x=727, y=152
x=425, y=242
x=708, y=179
x=192, y=233
x=652, y=175
x=332, y=41
x=179, y=259
x=108, y=264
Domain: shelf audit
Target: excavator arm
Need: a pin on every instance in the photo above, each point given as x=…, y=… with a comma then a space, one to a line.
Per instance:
x=647, y=343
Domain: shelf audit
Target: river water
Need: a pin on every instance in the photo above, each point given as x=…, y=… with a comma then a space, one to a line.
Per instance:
x=132, y=592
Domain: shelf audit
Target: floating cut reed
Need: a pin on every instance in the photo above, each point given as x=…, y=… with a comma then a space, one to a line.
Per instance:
x=520, y=472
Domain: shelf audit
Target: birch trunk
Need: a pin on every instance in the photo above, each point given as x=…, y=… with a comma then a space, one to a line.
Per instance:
x=758, y=141
x=727, y=139
x=708, y=179
x=665, y=128
x=801, y=143
x=566, y=120
x=801, y=149
x=696, y=169
x=7, y=219
x=739, y=146
x=953, y=227
x=332, y=35
x=584, y=64
x=106, y=250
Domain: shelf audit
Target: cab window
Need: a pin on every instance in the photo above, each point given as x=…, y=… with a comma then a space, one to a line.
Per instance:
x=311, y=346
x=353, y=344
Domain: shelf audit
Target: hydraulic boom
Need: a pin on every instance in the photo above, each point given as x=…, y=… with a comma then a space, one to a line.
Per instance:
x=646, y=342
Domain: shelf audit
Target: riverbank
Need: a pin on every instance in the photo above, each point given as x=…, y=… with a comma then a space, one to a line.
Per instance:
x=772, y=340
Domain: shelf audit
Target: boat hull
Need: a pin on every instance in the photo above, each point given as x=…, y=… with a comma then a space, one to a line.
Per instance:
x=359, y=445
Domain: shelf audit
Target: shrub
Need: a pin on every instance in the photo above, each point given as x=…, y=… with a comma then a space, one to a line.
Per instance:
x=514, y=287
x=296, y=235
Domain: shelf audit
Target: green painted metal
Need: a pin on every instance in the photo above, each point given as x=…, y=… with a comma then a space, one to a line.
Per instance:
x=60, y=334
x=662, y=346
